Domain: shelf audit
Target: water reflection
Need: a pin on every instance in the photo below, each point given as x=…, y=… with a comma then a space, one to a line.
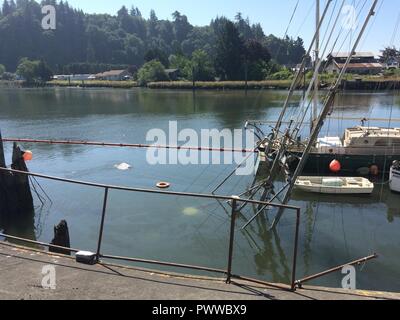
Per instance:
x=381, y=196
x=21, y=225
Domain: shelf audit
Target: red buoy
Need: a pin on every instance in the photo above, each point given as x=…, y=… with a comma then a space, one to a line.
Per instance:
x=335, y=166
x=28, y=155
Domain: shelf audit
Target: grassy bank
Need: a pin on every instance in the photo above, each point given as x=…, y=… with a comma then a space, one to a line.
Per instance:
x=353, y=83
x=93, y=84
x=222, y=85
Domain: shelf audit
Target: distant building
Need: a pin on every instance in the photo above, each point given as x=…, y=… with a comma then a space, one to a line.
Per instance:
x=114, y=75
x=173, y=74
x=74, y=77
x=392, y=63
x=360, y=63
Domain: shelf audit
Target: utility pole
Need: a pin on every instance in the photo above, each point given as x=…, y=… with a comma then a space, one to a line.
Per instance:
x=314, y=114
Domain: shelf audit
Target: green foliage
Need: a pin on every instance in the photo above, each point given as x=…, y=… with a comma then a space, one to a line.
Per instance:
x=43, y=71
x=230, y=49
x=390, y=53
x=285, y=51
x=151, y=71
x=2, y=69
x=392, y=73
x=202, y=67
x=27, y=69
x=86, y=43
x=32, y=71
x=178, y=62
x=282, y=75
x=157, y=54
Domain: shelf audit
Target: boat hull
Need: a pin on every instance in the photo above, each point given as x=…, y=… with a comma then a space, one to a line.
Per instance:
x=334, y=186
x=352, y=161
x=333, y=191
x=395, y=180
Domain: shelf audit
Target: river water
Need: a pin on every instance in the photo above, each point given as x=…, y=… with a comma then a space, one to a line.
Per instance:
x=334, y=230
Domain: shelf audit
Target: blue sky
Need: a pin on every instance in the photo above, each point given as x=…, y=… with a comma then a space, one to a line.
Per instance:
x=273, y=15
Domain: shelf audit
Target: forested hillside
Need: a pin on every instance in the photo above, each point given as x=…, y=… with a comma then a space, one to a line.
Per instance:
x=91, y=42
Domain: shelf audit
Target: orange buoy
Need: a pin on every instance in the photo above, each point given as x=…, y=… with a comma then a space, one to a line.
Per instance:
x=163, y=185
x=28, y=155
x=335, y=166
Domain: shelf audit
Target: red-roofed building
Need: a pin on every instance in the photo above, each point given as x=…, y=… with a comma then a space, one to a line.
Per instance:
x=361, y=63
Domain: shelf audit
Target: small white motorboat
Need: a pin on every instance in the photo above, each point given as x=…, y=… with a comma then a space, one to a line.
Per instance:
x=395, y=177
x=335, y=185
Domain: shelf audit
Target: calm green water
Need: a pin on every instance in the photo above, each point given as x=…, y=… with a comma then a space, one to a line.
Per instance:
x=333, y=230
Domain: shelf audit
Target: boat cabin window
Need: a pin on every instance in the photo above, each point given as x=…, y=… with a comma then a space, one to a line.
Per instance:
x=382, y=143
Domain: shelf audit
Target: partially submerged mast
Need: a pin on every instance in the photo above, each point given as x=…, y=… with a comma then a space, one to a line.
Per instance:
x=296, y=80
x=324, y=113
x=314, y=113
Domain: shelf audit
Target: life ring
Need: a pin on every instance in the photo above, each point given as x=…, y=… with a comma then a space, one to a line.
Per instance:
x=163, y=185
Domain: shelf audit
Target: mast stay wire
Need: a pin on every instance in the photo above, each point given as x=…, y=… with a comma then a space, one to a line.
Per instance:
x=302, y=114
x=339, y=34
x=335, y=43
x=396, y=29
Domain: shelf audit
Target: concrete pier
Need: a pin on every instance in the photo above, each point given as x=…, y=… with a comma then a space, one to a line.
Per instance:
x=21, y=278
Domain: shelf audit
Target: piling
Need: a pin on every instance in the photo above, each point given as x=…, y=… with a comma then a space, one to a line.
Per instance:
x=15, y=193
x=61, y=239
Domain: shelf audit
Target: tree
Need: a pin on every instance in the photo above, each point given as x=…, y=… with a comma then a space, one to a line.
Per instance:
x=257, y=57
x=230, y=48
x=157, y=54
x=390, y=53
x=201, y=66
x=150, y=72
x=43, y=71
x=181, y=26
x=27, y=69
x=93, y=41
x=2, y=69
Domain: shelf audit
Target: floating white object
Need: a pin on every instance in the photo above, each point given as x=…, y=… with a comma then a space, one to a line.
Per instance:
x=190, y=211
x=395, y=177
x=123, y=166
x=335, y=185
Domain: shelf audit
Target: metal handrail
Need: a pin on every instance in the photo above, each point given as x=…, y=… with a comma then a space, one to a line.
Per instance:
x=235, y=200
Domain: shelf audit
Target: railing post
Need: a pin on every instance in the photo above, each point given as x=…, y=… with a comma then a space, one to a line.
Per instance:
x=296, y=245
x=231, y=239
x=102, y=223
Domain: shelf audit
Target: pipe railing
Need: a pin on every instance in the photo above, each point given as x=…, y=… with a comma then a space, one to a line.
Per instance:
x=234, y=201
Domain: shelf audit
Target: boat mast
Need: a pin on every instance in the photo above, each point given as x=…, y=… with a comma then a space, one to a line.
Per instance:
x=314, y=113
x=295, y=82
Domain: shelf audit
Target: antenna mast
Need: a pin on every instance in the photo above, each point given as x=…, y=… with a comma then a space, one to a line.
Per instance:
x=314, y=113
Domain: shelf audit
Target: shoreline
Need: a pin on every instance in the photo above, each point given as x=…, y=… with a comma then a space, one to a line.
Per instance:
x=370, y=84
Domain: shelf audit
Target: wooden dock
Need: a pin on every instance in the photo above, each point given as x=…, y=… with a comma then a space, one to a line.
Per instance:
x=21, y=278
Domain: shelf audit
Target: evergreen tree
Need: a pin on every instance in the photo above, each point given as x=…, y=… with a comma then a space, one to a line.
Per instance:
x=230, y=49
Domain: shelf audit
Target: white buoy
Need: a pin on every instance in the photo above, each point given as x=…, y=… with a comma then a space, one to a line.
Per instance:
x=123, y=166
